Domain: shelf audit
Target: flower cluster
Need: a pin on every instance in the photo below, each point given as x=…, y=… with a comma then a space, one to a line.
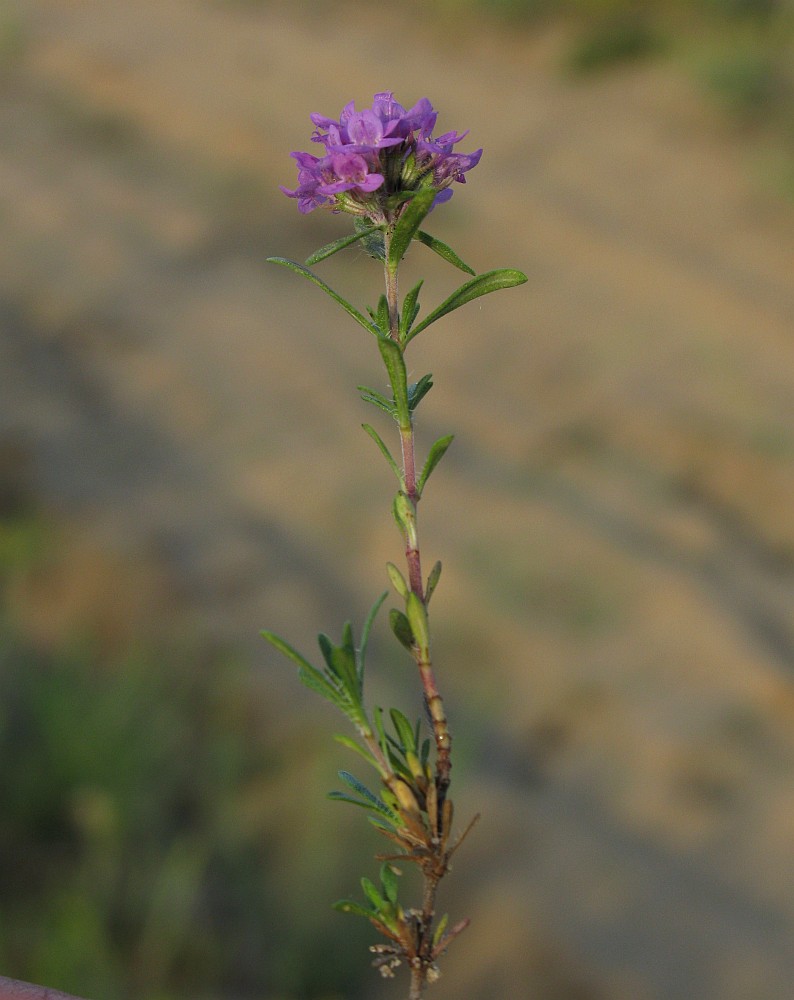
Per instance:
x=374, y=157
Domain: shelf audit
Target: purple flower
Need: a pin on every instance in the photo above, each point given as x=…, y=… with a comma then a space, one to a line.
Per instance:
x=376, y=156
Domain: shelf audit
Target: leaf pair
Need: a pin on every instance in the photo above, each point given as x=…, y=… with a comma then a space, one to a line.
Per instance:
x=384, y=907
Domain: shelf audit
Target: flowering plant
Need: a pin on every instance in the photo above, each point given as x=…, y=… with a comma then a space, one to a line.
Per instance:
x=383, y=166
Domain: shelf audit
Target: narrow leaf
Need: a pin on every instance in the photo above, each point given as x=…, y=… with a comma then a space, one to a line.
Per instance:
x=384, y=450
x=491, y=281
x=371, y=241
x=372, y=894
x=331, y=248
x=409, y=311
x=307, y=674
x=368, y=798
x=395, y=365
x=434, y=456
x=418, y=390
x=439, y=931
x=370, y=396
x=432, y=581
x=388, y=879
x=365, y=631
x=443, y=251
x=311, y=276
x=350, y=906
x=378, y=716
x=404, y=730
x=362, y=803
x=410, y=220
x=351, y=744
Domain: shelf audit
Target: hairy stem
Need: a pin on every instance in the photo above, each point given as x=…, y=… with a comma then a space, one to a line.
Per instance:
x=435, y=706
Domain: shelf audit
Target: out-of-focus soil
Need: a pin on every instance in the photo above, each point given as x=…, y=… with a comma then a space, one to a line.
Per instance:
x=614, y=625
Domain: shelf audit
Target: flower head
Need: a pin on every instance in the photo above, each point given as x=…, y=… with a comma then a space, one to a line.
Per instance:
x=375, y=157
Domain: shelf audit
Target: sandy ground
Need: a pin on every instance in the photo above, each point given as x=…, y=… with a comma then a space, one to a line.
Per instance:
x=615, y=624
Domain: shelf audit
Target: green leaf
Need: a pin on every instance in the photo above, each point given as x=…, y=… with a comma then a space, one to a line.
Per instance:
x=331, y=248
x=491, y=281
x=417, y=619
x=351, y=744
x=365, y=631
x=384, y=743
x=311, y=276
x=409, y=311
x=353, y=801
x=404, y=730
x=402, y=630
x=418, y=390
x=395, y=365
x=384, y=450
x=350, y=906
x=370, y=396
x=308, y=675
x=434, y=456
x=368, y=799
x=372, y=894
x=443, y=251
x=397, y=579
x=439, y=931
x=371, y=241
x=410, y=220
x=389, y=881
x=341, y=661
x=432, y=581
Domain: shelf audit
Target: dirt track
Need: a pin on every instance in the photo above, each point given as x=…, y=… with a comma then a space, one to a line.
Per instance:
x=615, y=517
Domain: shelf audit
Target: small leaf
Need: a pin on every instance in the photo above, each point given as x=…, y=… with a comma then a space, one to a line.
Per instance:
x=368, y=799
x=365, y=631
x=491, y=281
x=439, y=931
x=351, y=744
x=395, y=365
x=384, y=743
x=410, y=310
x=443, y=251
x=307, y=674
x=410, y=220
x=417, y=619
x=434, y=456
x=372, y=894
x=350, y=906
x=397, y=579
x=418, y=390
x=384, y=450
x=331, y=248
x=388, y=879
x=404, y=730
x=371, y=241
x=311, y=276
x=402, y=630
x=432, y=581
x=341, y=661
x=370, y=396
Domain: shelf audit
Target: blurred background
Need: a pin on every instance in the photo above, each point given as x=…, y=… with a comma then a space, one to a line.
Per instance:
x=181, y=464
